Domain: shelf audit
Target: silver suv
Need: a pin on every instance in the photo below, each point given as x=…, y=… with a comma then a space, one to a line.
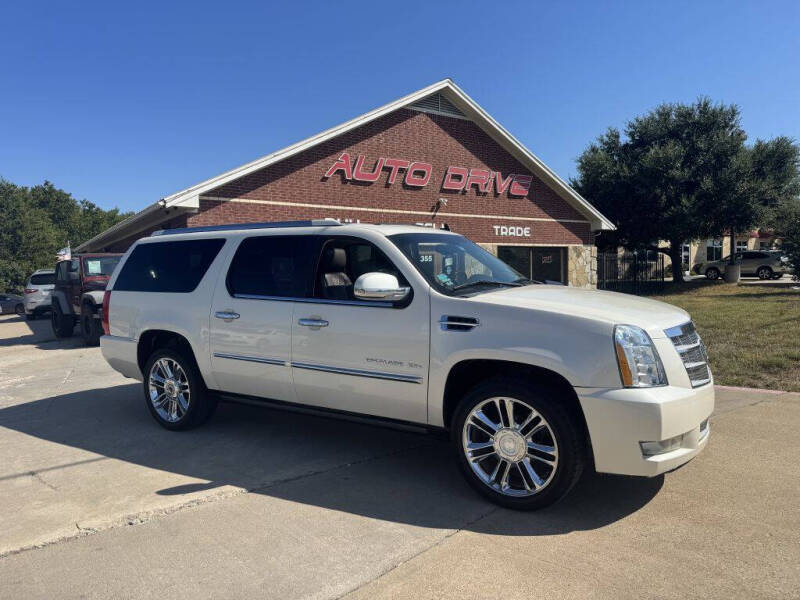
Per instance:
x=760, y=263
x=37, y=293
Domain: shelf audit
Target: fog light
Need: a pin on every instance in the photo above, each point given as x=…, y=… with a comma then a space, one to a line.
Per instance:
x=662, y=447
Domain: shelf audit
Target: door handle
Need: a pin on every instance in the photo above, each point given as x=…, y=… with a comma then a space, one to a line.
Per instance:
x=226, y=315
x=314, y=323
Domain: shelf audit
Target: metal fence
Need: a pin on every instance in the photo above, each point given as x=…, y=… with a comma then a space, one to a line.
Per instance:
x=632, y=273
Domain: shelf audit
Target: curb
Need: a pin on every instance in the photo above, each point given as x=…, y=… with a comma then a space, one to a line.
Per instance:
x=747, y=389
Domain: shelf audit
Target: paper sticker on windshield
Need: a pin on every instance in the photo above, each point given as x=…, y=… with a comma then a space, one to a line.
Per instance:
x=93, y=267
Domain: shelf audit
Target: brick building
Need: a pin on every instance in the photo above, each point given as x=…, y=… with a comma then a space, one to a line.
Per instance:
x=434, y=158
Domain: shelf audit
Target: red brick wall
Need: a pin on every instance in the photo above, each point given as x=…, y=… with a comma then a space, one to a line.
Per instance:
x=414, y=136
x=123, y=245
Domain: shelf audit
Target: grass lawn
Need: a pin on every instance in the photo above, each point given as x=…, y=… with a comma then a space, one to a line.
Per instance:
x=752, y=332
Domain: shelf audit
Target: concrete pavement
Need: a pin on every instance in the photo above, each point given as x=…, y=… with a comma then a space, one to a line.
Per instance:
x=98, y=501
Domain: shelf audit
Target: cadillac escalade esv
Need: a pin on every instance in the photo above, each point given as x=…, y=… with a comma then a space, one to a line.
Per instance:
x=534, y=382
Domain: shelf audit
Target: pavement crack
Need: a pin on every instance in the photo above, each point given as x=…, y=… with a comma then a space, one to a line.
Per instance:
x=40, y=479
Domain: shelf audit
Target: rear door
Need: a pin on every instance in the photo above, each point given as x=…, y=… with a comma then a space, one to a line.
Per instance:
x=251, y=316
x=361, y=356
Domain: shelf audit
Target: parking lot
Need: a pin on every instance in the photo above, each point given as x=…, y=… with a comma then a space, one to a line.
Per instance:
x=98, y=501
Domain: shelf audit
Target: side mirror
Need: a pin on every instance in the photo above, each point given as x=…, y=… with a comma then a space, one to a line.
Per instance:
x=379, y=287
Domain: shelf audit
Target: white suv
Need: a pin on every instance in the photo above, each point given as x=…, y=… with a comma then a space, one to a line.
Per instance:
x=534, y=382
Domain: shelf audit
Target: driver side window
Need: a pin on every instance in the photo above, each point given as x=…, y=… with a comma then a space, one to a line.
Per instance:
x=343, y=261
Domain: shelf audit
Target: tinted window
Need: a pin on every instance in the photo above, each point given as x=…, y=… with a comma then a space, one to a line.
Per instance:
x=274, y=266
x=43, y=279
x=754, y=255
x=167, y=266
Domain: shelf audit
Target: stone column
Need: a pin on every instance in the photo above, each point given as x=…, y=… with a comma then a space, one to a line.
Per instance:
x=582, y=266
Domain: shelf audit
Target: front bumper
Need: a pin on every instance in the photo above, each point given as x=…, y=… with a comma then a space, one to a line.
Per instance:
x=618, y=419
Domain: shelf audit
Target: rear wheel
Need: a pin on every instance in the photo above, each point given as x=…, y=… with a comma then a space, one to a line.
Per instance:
x=764, y=273
x=175, y=392
x=712, y=273
x=517, y=444
x=20, y=309
x=91, y=329
x=63, y=325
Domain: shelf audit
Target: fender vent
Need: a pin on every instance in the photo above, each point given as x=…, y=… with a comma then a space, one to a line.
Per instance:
x=453, y=323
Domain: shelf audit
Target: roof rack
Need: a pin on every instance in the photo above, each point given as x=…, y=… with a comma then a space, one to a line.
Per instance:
x=327, y=222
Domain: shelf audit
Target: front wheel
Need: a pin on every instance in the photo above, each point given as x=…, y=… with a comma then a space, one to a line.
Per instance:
x=63, y=325
x=764, y=273
x=517, y=444
x=712, y=273
x=175, y=392
x=20, y=309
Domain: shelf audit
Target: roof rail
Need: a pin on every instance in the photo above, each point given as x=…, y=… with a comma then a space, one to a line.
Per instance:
x=328, y=222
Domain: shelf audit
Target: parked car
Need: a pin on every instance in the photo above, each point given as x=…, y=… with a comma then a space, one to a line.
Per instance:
x=78, y=295
x=37, y=293
x=11, y=303
x=534, y=382
x=761, y=263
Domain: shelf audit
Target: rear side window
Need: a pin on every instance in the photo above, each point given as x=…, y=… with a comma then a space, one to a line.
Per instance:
x=175, y=267
x=281, y=266
x=43, y=279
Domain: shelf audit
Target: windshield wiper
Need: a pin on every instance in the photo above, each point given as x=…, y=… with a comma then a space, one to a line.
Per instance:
x=486, y=282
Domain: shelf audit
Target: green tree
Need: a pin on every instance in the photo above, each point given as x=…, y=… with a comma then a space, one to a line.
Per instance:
x=786, y=222
x=654, y=179
x=749, y=190
x=35, y=222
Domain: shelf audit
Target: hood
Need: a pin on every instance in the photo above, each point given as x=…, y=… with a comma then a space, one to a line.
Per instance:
x=611, y=307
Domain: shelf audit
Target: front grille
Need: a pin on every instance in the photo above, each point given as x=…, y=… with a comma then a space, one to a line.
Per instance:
x=692, y=352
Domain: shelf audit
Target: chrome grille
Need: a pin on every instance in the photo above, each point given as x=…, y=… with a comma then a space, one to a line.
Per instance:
x=692, y=352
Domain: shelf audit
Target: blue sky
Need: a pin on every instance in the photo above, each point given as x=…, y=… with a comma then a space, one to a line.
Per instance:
x=123, y=105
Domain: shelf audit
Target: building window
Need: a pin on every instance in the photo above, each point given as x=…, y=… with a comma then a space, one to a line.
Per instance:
x=741, y=245
x=713, y=250
x=538, y=263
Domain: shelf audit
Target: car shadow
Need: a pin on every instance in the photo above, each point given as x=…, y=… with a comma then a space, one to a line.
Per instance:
x=39, y=333
x=377, y=472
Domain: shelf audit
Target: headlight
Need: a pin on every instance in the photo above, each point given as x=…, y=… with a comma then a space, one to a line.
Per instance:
x=639, y=363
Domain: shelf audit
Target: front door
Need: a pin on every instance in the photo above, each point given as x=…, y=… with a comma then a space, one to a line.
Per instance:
x=251, y=316
x=360, y=356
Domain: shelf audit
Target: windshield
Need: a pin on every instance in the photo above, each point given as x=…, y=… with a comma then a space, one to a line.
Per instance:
x=452, y=264
x=95, y=266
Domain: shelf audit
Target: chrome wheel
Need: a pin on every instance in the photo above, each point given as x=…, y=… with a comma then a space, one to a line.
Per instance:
x=169, y=389
x=510, y=446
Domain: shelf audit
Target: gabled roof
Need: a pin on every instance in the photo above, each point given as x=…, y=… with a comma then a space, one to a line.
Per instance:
x=189, y=199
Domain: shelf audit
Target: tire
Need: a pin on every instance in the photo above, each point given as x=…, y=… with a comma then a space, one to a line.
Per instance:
x=712, y=273
x=20, y=309
x=534, y=407
x=171, y=413
x=764, y=273
x=63, y=325
x=91, y=328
